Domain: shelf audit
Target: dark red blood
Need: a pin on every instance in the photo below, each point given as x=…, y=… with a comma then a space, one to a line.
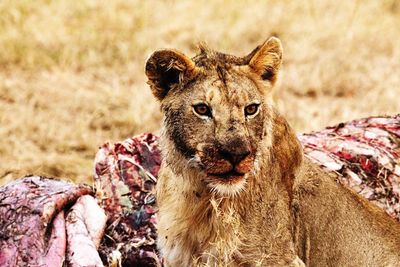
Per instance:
x=133, y=165
x=28, y=234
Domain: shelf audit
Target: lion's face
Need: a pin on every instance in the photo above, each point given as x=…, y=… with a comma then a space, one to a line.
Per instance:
x=216, y=110
x=218, y=125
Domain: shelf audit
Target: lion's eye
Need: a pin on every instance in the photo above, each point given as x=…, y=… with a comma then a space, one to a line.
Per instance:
x=251, y=109
x=202, y=109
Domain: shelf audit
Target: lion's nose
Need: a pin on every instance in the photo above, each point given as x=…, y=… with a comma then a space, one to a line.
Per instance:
x=235, y=151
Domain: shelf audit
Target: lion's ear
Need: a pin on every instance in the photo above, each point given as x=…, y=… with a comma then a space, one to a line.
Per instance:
x=267, y=60
x=166, y=69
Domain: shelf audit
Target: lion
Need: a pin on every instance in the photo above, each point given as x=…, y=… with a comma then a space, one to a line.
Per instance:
x=234, y=187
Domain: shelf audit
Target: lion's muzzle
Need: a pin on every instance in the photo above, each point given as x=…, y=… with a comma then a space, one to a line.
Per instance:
x=227, y=162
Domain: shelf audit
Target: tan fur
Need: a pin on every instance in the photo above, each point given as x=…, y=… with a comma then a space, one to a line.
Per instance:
x=234, y=189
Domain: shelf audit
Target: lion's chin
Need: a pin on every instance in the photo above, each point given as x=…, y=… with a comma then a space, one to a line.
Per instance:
x=228, y=184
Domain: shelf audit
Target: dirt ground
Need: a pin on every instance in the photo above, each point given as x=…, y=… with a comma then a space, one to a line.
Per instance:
x=72, y=72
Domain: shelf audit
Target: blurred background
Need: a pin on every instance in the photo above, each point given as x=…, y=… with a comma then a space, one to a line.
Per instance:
x=72, y=72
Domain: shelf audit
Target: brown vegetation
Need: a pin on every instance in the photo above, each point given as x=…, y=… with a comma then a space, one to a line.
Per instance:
x=72, y=73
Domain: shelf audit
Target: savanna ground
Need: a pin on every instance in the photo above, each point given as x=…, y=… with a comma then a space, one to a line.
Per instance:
x=72, y=72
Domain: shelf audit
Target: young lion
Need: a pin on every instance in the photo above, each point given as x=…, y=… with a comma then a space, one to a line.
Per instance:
x=234, y=188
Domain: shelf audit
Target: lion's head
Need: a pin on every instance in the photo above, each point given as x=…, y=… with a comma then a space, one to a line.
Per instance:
x=217, y=108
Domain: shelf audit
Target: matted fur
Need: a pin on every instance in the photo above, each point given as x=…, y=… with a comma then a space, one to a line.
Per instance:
x=280, y=210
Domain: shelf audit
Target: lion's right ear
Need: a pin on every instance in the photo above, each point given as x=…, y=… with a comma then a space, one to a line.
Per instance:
x=166, y=69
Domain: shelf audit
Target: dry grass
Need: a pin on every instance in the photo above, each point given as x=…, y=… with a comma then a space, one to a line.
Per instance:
x=71, y=72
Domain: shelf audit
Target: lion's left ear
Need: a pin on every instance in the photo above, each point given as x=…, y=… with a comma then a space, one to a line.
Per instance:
x=267, y=61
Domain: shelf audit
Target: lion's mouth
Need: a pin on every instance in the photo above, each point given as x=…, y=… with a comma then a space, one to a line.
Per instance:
x=228, y=176
x=225, y=171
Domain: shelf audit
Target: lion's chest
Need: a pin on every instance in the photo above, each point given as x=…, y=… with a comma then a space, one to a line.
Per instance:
x=198, y=235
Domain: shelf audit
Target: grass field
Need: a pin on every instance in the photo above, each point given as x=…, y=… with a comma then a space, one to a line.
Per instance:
x=71, y=72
